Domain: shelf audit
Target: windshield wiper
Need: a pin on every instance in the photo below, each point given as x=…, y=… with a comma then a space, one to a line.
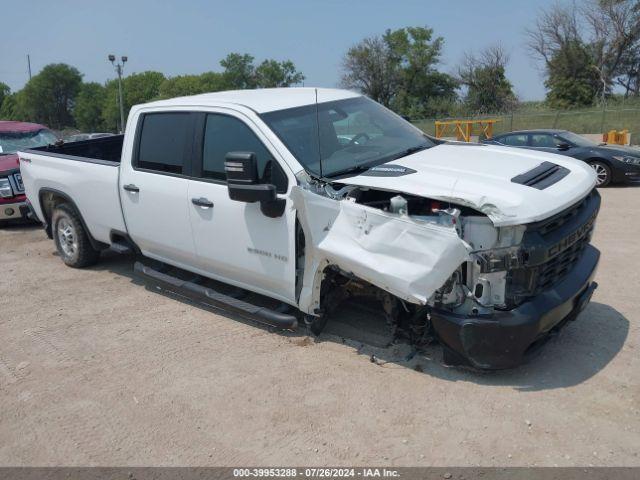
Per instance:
x=411, y=150
x=354, y=169
x=365, y=167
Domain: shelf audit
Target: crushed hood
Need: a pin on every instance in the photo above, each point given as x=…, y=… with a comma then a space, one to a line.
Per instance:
x=479, y=176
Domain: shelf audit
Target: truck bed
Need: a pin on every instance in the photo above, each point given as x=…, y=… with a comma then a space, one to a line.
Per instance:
x=85, y=172
x=107, y=149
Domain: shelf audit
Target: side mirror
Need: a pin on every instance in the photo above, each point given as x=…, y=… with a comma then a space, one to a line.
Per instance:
x=564, y=146
x=244, y=184
x=243, y=181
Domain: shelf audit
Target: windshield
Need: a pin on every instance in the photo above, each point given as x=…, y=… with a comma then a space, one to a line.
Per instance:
x=577, y=140
x=333, y=138
x=12, y=142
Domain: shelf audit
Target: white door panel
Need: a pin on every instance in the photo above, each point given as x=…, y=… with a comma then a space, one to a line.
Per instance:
x=157, y=216
x=237, y=242
x=154, y=194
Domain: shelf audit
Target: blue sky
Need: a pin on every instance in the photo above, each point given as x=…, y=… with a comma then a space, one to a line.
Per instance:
x=191, y=36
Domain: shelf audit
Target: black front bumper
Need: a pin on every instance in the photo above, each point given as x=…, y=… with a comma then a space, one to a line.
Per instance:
x=625, y=173
x=503, y=339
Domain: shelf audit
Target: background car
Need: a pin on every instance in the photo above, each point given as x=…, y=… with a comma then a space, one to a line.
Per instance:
x=612, y=163
x=16, y=136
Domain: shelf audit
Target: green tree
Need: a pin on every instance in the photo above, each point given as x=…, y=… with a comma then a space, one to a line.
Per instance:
x=88, y=108
x=239, y=71
x=5, y=91
x=49, y=96
x=271, y=73
x=192, y=84
x=398, y=69
x=417, y=53
x=607, y=32
x=10, y=109
x=369, y=68
x=488, y=90
x=137, y=88
x=573, y=79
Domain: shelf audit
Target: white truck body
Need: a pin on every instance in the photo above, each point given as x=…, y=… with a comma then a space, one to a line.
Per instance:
x=410, y=257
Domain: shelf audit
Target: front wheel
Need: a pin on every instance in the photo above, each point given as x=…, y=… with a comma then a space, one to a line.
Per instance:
x=71, y=239
x=603, y=173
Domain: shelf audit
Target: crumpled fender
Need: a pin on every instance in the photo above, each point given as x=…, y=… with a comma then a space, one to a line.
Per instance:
x=408, y=258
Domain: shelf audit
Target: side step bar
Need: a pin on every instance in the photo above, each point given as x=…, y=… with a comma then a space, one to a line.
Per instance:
x=209, y=296
x=121, y=248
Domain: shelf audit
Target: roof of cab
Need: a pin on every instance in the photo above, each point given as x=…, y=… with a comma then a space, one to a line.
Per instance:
x=260, y=100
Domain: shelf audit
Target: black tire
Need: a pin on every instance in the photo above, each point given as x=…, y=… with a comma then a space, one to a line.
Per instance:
x=603, y=172
x=71, y=238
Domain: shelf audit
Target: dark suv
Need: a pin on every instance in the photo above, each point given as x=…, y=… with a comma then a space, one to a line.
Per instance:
x=612, y=163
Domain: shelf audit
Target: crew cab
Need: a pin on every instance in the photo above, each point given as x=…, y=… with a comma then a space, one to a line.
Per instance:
x=313, y=196
x=14, y=136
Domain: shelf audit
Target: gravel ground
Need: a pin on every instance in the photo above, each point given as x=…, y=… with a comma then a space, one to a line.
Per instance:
x=95, y=369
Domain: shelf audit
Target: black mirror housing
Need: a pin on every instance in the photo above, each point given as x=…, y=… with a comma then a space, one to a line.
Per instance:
x=564, y=146
x=241, y=168
x=243, y=181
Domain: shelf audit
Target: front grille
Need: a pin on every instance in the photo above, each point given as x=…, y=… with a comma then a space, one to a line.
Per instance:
x=549, y=273
x=16, y=183
x=549, y=225
x=551, y=249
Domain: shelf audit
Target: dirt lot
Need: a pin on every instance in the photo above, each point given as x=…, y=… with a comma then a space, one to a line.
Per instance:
x=97, y=370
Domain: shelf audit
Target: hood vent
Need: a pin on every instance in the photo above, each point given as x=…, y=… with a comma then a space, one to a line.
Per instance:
x=543, y=176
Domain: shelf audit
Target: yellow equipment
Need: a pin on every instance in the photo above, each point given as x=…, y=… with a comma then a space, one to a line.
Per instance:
x=616, y=138
x=464, y=129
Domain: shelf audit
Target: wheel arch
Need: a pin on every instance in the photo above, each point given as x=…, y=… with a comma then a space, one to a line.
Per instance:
x=49, y=199
x=608, y=164
x=606, y=161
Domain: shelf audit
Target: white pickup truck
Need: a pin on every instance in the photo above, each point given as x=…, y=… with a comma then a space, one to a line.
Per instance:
x=312, y=196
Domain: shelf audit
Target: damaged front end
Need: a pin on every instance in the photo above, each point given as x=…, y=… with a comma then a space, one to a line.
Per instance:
x=441, y=269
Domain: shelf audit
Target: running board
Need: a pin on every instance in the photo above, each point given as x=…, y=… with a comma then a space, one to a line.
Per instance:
x=211, y=297
x=121, y=248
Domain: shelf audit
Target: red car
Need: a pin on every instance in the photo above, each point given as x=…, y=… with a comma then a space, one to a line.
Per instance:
x=16, y=136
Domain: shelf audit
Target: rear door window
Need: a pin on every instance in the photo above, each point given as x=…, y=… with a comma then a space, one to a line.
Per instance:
x=163, y=141
x=519, y=140
x=544, y=140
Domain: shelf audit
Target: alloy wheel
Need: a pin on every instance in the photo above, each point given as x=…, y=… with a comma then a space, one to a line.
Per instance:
x=601, y=173
x=67, y=237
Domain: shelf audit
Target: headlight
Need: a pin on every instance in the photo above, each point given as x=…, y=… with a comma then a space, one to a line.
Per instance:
x=5, y=188
x=629, y=160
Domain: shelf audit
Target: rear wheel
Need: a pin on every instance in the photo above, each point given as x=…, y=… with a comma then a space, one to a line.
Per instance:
x=71, y=239
x=603, y=173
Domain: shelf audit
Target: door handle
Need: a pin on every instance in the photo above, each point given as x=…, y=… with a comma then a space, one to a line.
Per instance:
x=202, y=202
x=131, y=188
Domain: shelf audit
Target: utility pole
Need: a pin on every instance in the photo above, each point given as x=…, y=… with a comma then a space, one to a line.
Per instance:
x=29, y=65
x=119, y=69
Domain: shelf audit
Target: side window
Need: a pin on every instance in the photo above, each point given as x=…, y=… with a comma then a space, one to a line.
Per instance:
x=515, y=140
x=162, y=140
x=224, y=134
x=544, y=141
